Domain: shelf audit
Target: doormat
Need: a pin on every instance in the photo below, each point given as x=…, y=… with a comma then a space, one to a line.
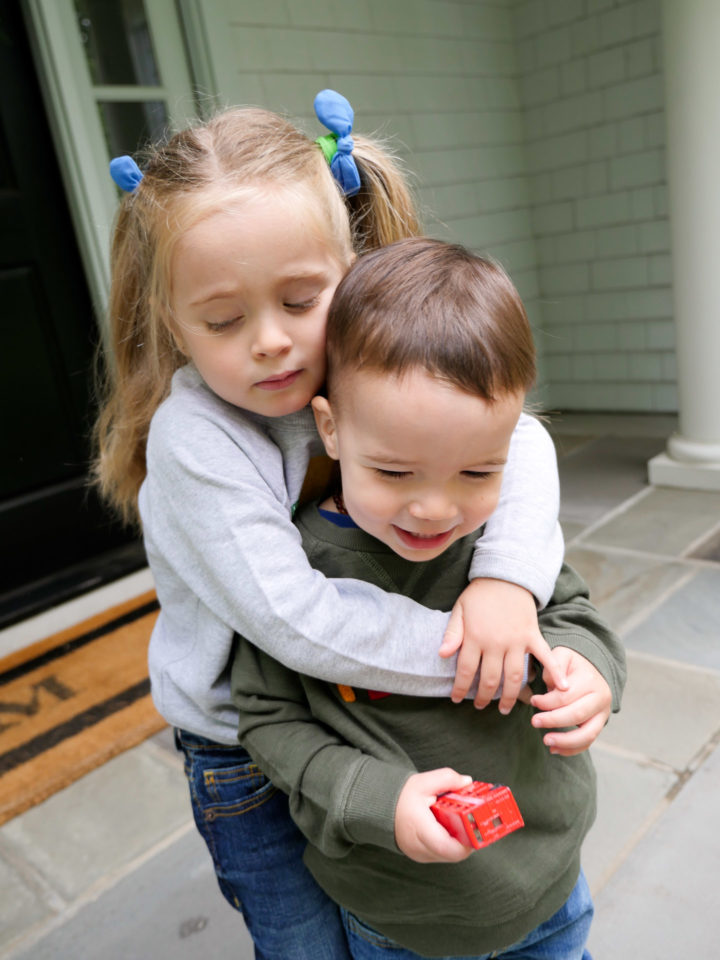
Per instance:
x=73, y=701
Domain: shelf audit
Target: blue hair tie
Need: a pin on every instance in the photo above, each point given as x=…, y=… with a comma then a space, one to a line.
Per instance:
x=335, y=113
x=126, y=173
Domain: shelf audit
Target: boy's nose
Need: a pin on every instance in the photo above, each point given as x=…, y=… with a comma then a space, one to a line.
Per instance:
x=433, y=507
x=271, y=339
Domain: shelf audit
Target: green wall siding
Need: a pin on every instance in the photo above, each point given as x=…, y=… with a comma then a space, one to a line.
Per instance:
x=535, y=132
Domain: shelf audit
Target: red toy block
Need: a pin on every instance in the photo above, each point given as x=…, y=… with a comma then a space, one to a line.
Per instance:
x=478, y=814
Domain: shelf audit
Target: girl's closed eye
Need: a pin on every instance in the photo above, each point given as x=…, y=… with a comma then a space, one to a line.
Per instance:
x=216, y=326
x=392, y=474
x=477, y=474
x=299, y=306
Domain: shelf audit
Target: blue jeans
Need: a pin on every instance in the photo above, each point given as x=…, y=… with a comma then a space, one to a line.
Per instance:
x=562, y=937
x=257, y=853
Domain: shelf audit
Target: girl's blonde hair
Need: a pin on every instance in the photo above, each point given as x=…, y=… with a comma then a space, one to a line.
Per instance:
x=198, y=172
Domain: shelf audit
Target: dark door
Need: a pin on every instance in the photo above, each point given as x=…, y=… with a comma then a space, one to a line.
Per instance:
x=55, y=539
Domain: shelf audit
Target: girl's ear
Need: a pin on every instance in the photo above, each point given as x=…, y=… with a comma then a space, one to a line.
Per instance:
x=165, y=315
x=325, y=423
x=178, y=340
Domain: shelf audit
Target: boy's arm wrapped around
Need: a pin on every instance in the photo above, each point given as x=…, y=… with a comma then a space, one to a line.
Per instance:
x=339, y=795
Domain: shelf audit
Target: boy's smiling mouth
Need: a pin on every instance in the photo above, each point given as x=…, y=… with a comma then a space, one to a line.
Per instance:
x=423, y=541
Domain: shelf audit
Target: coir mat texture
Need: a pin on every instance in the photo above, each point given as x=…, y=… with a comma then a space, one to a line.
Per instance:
x=73, y=701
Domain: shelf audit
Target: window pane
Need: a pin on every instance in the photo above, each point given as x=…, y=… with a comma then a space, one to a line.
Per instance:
x=117, y=42
x=130, y=125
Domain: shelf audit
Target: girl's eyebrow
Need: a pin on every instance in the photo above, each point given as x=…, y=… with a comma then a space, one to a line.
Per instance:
x=395, y=461
x=312, y=276
x=221, y=294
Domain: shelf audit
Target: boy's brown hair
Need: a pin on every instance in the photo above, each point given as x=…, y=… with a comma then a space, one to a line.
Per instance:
x=435, y=305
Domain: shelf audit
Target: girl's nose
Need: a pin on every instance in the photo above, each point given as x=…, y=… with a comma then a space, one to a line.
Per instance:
x=433, y=506
x=271, y=339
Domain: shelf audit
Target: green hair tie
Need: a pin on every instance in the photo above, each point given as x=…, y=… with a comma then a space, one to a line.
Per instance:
x=328, y=145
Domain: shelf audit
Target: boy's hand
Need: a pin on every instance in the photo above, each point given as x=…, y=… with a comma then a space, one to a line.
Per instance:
x=417, y=833
x=585, y=705
x=494, y=624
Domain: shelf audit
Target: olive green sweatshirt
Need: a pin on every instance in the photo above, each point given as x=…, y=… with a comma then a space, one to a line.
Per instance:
x=344, y=761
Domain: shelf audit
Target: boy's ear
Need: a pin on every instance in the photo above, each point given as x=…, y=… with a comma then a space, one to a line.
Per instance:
x=325, y=423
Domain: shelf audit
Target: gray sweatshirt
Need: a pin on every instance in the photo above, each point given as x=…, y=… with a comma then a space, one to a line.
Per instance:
x=216, y=510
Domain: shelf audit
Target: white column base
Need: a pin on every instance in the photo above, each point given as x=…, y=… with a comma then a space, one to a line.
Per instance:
x=663, y=471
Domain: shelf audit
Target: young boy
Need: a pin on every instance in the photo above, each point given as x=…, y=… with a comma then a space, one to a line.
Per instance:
x=430, y=357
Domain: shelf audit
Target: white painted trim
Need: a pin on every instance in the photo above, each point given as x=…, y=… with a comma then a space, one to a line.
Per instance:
x=200, y=53
x=209, y=44
x=663, y=471
x=171, y=56
x=67, y=89
x=71, y=100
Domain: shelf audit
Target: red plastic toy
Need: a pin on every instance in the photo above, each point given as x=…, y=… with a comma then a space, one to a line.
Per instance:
x=478, y=814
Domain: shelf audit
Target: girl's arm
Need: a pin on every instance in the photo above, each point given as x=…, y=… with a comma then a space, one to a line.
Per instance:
x=219, y=536
x=513, y=572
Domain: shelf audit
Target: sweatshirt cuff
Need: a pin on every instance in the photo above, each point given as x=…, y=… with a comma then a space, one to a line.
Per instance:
x=597, y=656
x=516, y=571
x=369, y=816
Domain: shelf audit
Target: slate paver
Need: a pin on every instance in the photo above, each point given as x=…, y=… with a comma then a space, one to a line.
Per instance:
x=662, y=902
x=624, y=587
x=666, y=521
x=100, y=823
x=686, y=626
x=112, y=867
x=669, y=712
x=629, y=792
x=169, y=907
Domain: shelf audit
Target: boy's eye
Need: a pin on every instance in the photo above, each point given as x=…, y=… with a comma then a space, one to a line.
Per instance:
x=476, y=474
x=392, y=474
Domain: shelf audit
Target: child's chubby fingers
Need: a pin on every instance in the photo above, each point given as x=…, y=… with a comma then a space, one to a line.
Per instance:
x=491, y=675
x=417, y=833
x=453, y=637
x=512, y=680
x=551, y=700
x=439, y=846
x=571, y=742
x=465, y=672
x=554, y=667
x=571, y=714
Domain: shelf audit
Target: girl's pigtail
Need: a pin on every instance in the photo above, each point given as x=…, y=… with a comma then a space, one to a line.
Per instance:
x=384, y=209
x=136, y=379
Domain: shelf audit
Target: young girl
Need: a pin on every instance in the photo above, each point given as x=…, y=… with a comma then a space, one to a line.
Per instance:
x=225, y=257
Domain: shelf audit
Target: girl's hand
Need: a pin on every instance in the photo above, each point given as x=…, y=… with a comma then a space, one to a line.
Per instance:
x=585, y=705
x=417, y=833
x=494, y=624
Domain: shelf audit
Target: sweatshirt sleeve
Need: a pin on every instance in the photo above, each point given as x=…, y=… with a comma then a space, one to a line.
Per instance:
x=570, y=620
x=523, y=542
x=221, y=534
x=339, y=796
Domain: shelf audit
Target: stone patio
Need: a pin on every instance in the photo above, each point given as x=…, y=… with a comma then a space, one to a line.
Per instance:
x=112, y=866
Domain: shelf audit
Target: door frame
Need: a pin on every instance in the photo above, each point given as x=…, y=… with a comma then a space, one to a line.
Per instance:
x=71, y=101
